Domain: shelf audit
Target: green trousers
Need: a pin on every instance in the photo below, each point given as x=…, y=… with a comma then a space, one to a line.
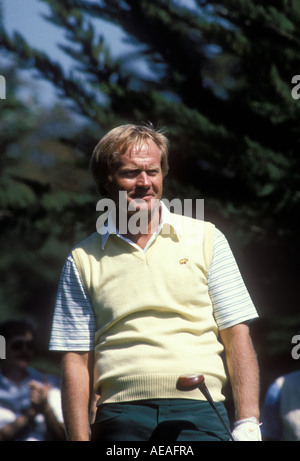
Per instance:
x=159, y=421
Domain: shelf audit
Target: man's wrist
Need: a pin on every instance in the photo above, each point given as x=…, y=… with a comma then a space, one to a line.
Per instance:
x=250, y=418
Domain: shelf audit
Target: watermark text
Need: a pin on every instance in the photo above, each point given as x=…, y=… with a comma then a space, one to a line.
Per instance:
x=135, y=215
x=2, y=87
x=296, y=348
x=2, y=347
x=296, y=89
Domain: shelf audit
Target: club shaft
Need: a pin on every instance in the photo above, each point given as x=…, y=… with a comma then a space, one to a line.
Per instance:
x=202, y=387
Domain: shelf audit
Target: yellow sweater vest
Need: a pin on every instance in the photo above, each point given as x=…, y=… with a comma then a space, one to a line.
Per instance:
x=153, y=313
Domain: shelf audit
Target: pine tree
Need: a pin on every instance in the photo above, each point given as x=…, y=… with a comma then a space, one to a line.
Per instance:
x=41, y=183
x=222, y=70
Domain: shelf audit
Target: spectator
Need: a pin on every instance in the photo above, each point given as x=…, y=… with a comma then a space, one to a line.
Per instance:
x=281, y=409
x=30, y=403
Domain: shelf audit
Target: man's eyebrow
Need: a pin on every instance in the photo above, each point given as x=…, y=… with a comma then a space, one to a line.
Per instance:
x=138, y=167
x=129, y=168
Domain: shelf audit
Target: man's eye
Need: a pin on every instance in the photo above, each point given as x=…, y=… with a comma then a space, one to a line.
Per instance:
x=128, y=173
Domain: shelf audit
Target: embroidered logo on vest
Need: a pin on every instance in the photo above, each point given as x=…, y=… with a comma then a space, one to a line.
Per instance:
x=183, y=261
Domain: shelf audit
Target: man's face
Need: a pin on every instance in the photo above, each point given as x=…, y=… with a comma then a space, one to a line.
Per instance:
x=19, y=350
x=138, y=174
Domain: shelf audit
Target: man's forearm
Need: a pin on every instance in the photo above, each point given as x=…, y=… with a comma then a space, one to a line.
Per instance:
x=243, y=371
x=76, y=389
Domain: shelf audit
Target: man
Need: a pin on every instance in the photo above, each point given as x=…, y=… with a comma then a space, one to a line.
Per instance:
x=139, y=305
x=30, y=403
x=281, y=409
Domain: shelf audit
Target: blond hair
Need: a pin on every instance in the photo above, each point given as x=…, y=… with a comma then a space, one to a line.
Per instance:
x=116, y=142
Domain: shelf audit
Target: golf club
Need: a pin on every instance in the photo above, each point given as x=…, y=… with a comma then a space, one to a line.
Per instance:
x=191, y=382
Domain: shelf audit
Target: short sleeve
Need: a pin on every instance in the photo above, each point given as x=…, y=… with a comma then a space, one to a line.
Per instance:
x=231, y=301
x=73, y=326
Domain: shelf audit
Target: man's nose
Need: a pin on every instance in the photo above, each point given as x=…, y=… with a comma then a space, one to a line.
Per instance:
x=143, y=179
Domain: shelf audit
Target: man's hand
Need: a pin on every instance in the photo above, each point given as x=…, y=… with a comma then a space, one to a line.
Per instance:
x=39, y=396
x=246, y=430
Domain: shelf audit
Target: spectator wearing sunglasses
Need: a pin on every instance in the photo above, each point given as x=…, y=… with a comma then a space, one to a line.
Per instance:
x=30, y=403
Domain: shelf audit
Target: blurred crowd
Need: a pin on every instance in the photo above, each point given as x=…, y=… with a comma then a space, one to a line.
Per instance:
x=30, y=401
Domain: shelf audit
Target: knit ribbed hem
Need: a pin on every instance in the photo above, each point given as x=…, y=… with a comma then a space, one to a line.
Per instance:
x=154, y=386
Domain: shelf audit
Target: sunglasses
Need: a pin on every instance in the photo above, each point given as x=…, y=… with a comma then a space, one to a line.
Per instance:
x=20, y=345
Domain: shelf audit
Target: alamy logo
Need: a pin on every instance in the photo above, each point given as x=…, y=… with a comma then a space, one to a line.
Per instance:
x=2, y=87
x=296, y=88
x=132, y=216
x=296, y=348
x=2, y=347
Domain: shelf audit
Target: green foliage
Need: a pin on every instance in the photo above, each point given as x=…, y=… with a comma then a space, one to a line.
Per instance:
x=46, y=204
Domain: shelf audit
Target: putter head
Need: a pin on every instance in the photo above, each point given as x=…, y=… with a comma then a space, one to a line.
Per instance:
x=189, y=382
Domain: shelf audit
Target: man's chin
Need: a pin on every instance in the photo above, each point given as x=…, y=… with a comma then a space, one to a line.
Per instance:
x=143, y=205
